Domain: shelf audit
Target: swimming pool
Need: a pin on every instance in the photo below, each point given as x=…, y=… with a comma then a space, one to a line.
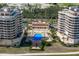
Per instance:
x=37, y=36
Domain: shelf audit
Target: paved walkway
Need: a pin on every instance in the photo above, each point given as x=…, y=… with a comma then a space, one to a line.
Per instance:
x=43, y=54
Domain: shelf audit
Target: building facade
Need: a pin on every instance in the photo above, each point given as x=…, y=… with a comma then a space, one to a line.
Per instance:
x=68, y=25
x=39, y=27
x=10, y=25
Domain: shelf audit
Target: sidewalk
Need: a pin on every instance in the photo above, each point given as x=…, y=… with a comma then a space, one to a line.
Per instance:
x=41, y=54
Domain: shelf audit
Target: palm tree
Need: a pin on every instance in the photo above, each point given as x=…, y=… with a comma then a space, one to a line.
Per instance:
x=53, y=31
x=43, y=44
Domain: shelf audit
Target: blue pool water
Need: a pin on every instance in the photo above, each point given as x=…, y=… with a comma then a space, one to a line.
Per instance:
x=37, y=37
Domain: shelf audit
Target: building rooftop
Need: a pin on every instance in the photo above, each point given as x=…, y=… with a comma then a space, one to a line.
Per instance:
x=8, y=11
x=40, y=22
x=71, y=11
x=74, y=8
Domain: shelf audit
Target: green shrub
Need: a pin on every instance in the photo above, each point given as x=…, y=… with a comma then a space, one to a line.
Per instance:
x=48, y=44
x=43, y=42
x=54, y=41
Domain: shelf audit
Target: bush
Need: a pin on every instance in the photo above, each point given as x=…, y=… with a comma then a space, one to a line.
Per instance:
x=76, y=45
x=48, y=44
x=43, y=44
x=54, y=41
x=62, y=42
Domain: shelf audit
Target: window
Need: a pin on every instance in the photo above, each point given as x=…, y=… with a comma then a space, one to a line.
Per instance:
x=6, y=14
x=2, y=14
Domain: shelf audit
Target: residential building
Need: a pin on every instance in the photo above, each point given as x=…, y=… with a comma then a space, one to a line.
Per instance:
x=39, y=27
x=10, y=26
x=68, y=25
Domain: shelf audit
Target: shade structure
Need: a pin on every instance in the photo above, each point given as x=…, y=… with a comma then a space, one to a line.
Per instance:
x=37, y=37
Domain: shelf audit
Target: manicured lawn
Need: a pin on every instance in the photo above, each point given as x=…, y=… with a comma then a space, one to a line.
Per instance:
x=55, y=48
x=14, y=50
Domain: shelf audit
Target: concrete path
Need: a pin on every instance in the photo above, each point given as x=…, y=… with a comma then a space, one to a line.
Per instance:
x=38, y=54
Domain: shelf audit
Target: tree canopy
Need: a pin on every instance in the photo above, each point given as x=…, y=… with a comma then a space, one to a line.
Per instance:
x=47, y=13
x=2, y=5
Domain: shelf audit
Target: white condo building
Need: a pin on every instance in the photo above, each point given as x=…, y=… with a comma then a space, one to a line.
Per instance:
x=68, y=25
x=10, y=26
